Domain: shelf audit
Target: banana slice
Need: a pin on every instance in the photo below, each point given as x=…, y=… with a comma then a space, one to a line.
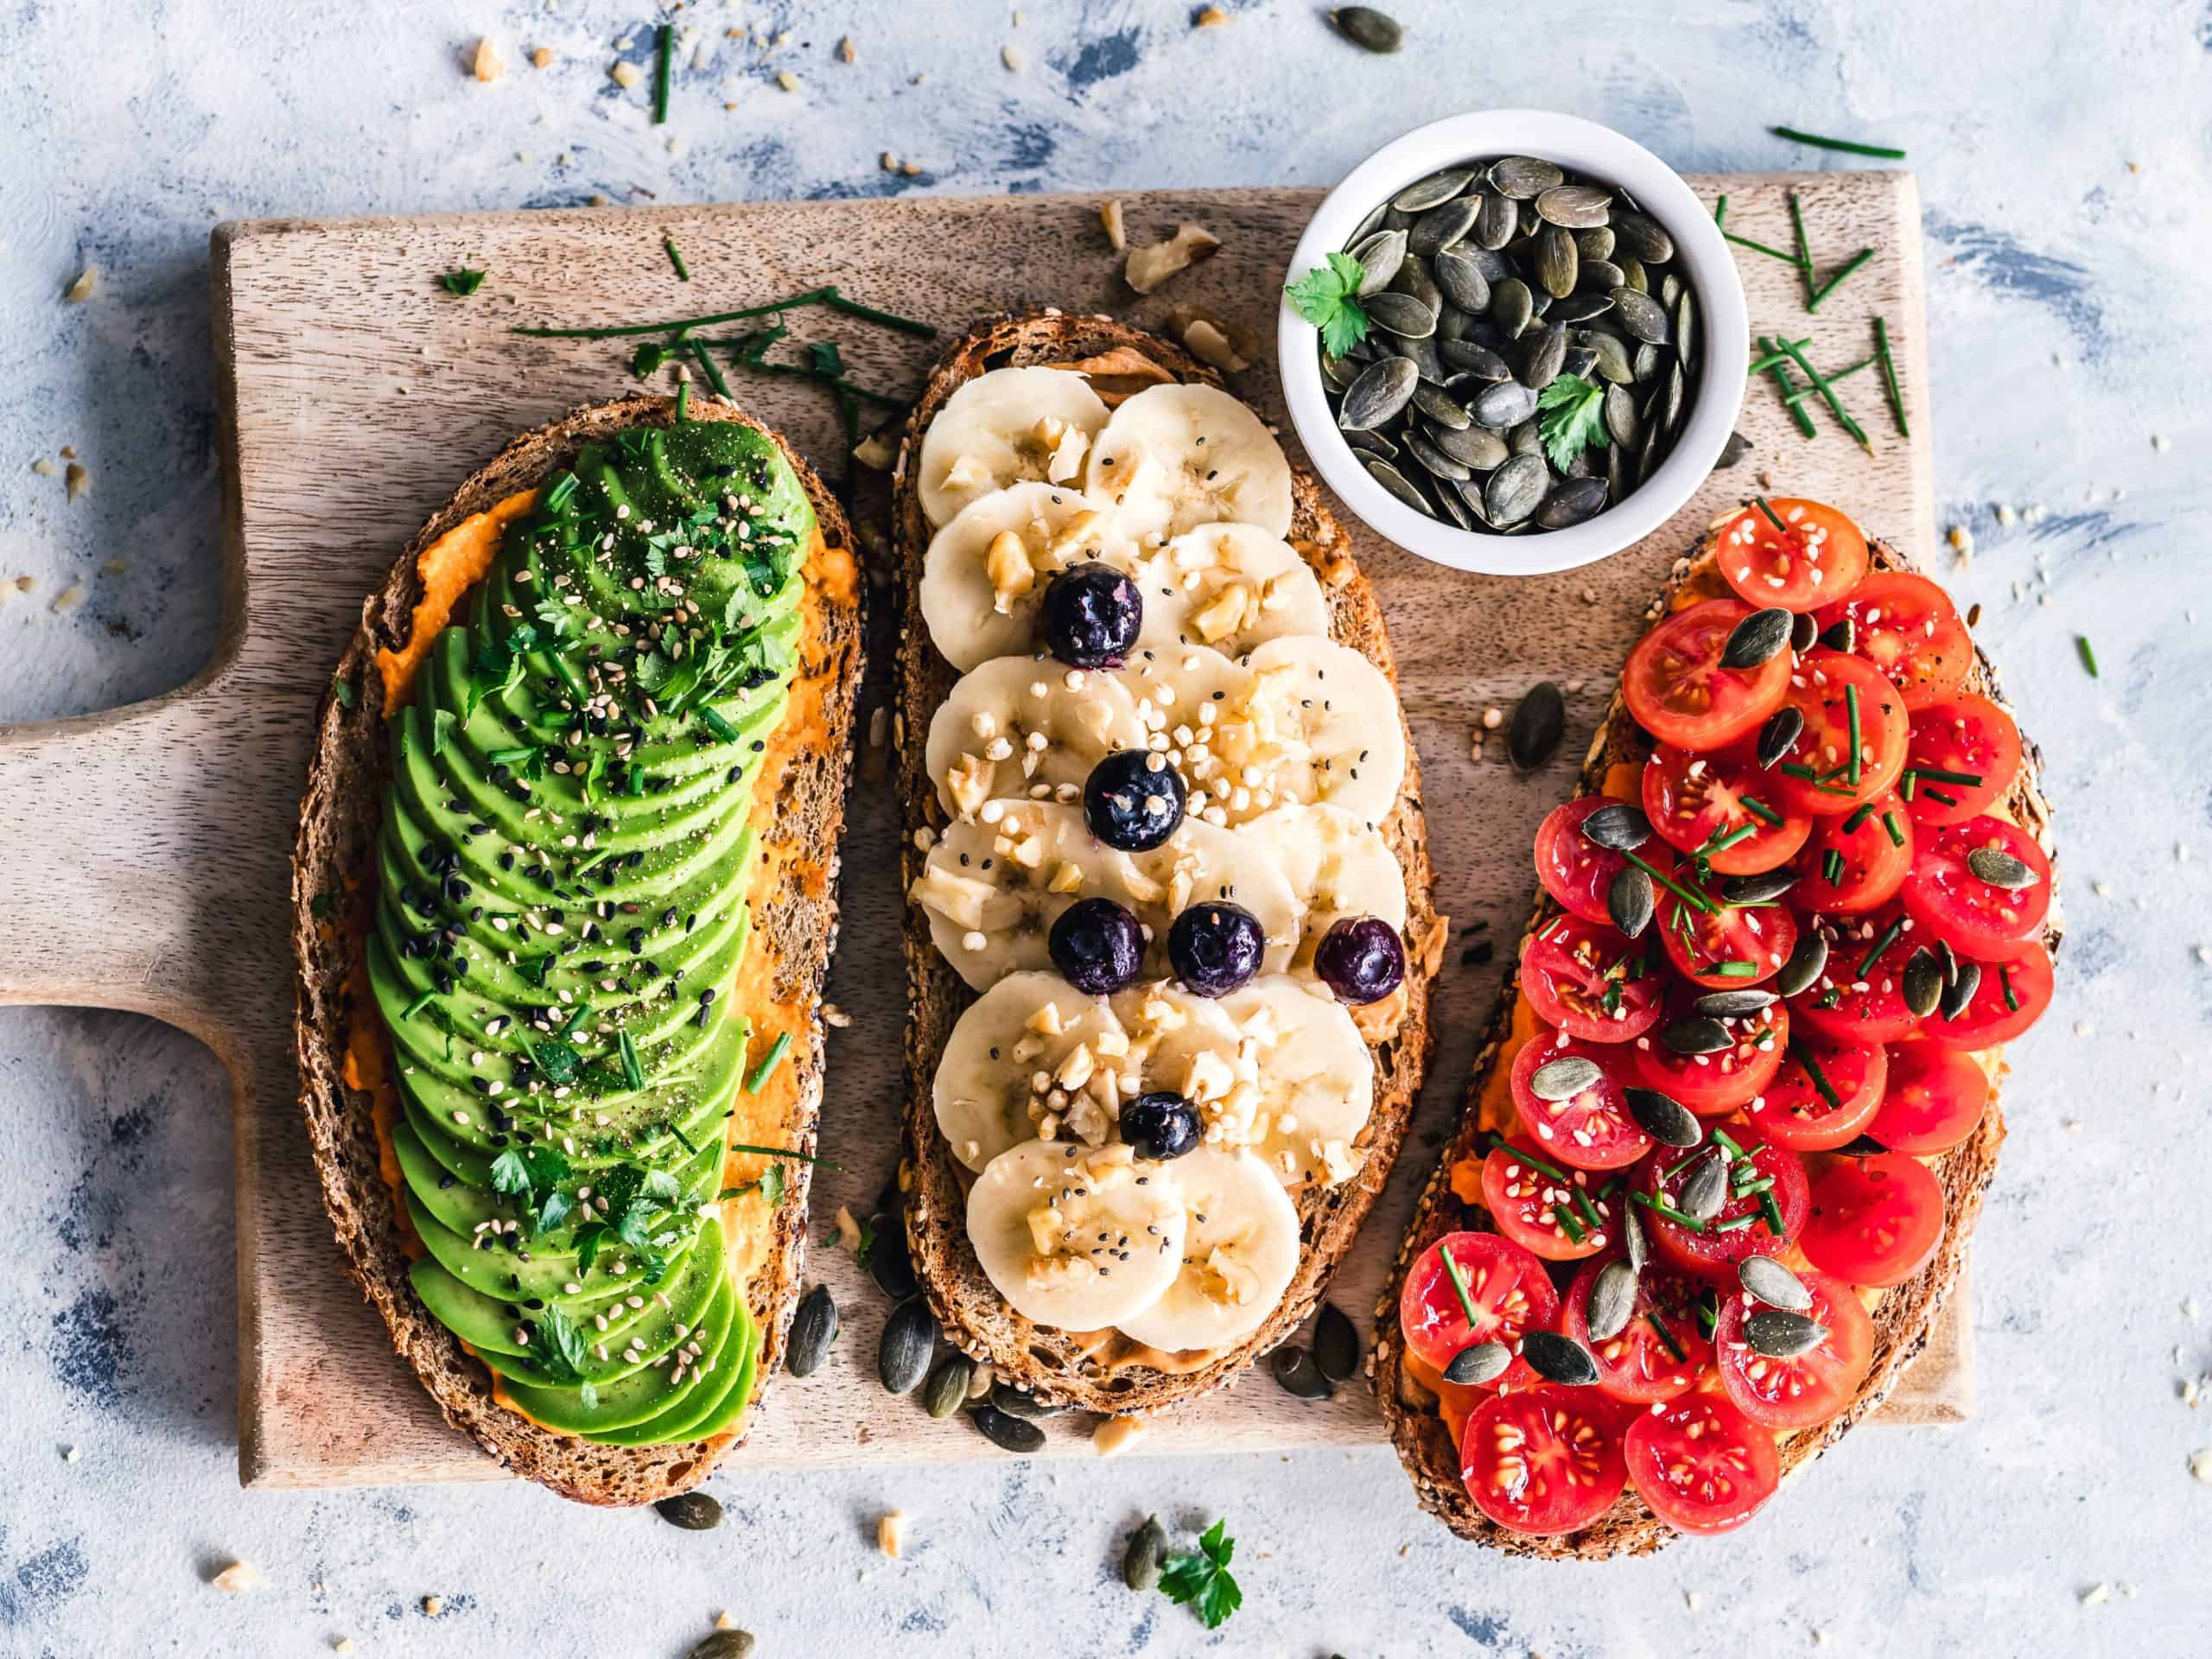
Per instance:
x=1176, y=457
x=1031, y=1057
x=1232, y=586
x=1240, y=1251
x=1321, y=725
x=1016, y=726
x=1003, y=428
x=1296, y=1089
x=986, y=570
x=1337, y=864
x=1071, y=1238
x=993, y=887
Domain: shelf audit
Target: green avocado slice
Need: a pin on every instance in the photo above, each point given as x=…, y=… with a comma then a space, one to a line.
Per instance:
x=632, y=1399
x=728, y=1371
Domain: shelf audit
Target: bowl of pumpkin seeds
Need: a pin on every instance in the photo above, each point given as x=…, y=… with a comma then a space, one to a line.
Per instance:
x=1513, y=342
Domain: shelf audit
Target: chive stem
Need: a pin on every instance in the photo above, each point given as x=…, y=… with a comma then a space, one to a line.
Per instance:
x=1717, y=843
x=1772, y=1211
x=1760, y=247
x=1804, y=392
x=1827, y=396
x=1721, y=214
x=1889, y=937
x=825, y=294
x=1772, y=517
x=2089, y=653
x=1858, y=817
x=1849, y=146
x=632, y=1072
x=766, y=1069
x=1565, y=1216
x=1938, y=775
x=1499, y=1143
x=1836, y=281
x=1894, y=830
x=1735, y=1146
x=1804, y=247
x=782, y=1152
x=1660, y=1207
x=1781, y=371
x=1851, y=711
x=676, y=258
x=1666, y=1336
x=1890, y=375
x=1458, y=1278
x=837, y=302
x=699, y=355
x=682, y=402
x=1767, y=359
x=1760, y=809
x=1689, y=896
x=1803, y=1056
x=663, y=45
x=1588, y=1210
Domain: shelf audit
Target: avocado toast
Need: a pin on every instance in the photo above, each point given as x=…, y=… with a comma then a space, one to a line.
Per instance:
x=564, y=896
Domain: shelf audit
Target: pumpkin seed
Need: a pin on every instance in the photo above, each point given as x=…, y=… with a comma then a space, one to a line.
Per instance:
x=1455, y=505
x=1922, y=982
x=1572, y=502
x=1505, y=404
x=1733, y=453
x=1671, y=406
x=1296, y=1373
x=1373, y=443
x=1580, y=307
x=1629, y=899
x=946, y=1390
x=1782, y=729
x=1412, y=279
x=1665, y=1119
x=1777, y=1333
x=1598, y=277
x=1645, y=360
x=1497, y=224
x=1523, y=177
x=1557, y=1358
x=1612, y=364
x=1596, y=243
x=1340, y=372
x=1532, y=737
x=814, y=1327
x=1380, y=257
x=1476, y=358
x=1477, y=447
x=1619, y=827
x=889, y=1261
x=1842, y=635
x=1643, y=236
x=1633, y=273
x=1379, y=395
x=2000, y=869
x=1761, y=889
x=1438, y=187
x=1773, y=1284
x=1556, y=261
x=1642, y=316
x=1639, y=1252
x=1336, y=1345
x=1008, y=1433
x=1512, y=306
x=1621, y=424
x=1563, y=1078
x=1016, y=1402
x=902, y=1357
x=1959, y=992
x=1733, y=1004
x=1706, y=1191
x=693, y=1511
x=1479, y=1362
x=722, y=1644
x=1685, y=325
x=1440, y=407
x=1368, y=29
x=1402, y=314
x=1575, y=206
x=1462, y=280
x=1439, y=227
x=1435, y=461
x=1612, y=1301
x=1528, y=438
x=1396, y=482
x=1806, y=964
x=1421, y=354
x=1695, y=1034
x=1802, y=633
x=1760, y=637
x=1145, y=1554
x=1545, y=359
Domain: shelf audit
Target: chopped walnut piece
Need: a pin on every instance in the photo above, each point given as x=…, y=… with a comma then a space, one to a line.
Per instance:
x=1117, y=233
x=1148, y=268
x=1205, y=340
x=486, y=65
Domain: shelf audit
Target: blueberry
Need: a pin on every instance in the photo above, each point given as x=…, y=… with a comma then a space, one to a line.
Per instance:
x=1133, y=800
x=1091, y=615
x=1097, y=946
x=1361, y=959
x=1215, y=947
x=1160, y=1125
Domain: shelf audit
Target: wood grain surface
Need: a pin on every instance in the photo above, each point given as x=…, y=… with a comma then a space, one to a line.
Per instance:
x=148, y=846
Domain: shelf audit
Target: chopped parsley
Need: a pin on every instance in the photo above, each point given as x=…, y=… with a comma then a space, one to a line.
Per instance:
x=1201, y=1578
x=1571, y=418
x=1328, y=297
x=463, y=281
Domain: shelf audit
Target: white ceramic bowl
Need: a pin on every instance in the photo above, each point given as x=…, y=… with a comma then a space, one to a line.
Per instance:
x=1602, y=155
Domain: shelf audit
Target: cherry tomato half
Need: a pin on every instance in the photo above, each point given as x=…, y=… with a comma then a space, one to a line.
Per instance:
x=1543, y=1460
x=1700, y=1463
x=1728, y=947
x=1856, y=862
x=1576, y=975
x=1979, y=918
x=1505, y=1285
x=1813, y=776
x=1874, y=1221
x=1639, y=1365
x=1860, y=997
x=1575, y=869
x=1963, y=736
x=1933, y=1099
x=1798, y=1112
x=1528, y=1201
x=1811, y=1387
x=1678, y=691
x=1908, y=628
x=1818, y=557
x=2010, y=997
x=1742, y=1227
x=1713, y=1086
x=1698, y=801
x=1590, y=1129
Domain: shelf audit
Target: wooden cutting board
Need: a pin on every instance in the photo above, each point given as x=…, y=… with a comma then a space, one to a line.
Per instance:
x=149, y=847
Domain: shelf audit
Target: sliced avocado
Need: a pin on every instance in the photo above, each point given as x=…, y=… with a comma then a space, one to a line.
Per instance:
x=729, y=1385
x=632, y=1399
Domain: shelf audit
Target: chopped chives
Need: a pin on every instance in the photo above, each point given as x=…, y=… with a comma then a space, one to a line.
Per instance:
x=1768, y=358
x=682, y=1139
x=1721, y=214
x=1499, y=1143
x=1760, y=247
x=1689, y=896
x=1851, y=711
x=682, y=402
x=1799, y=769
x=1772, y=1211
x=1457, y=1275
x=1849, y=146
x=1734, y=971
x=766, y=1069
x=1934, y=775
x=1896, y=829
x=826, y=294
x=632, y=1073
x=663, y=45
x=676, y=258
x=1907, y=783
x=782, y=1151
x=1733, y=1224
x=1947, y=800
x=714, y=723
x=1760, y=809
x=1781, y=371
x=1804, y=392
x=1567, y=1224
x=1836, y=281
x=1804, y=254
x=1588, y=1210
x=1753, y=1188
x=1682, y=1164
x=1666, y=1336
x=2005, y=981
x=1890, y=375
x=1734, y=1147
x=1772, y=517
x=1717, y=843
x=1851, y=824
x=1832, y=867
x=1889, y=937
x=419, y=1004
x=1662, y=1208
x=698, y=350
x=1827, y=396
x=2089, y=653
x=581, y=1014
x=1803, y=1056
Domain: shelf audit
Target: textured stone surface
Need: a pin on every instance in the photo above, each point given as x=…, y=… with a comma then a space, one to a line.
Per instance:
x=2063, y=166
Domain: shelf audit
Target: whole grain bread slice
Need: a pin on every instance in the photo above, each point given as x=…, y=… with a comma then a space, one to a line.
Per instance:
x=335, y=855
x=1902, y=1322
x=1056, y=1365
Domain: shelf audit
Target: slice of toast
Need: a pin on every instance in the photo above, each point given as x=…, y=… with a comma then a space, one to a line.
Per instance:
x=1054, y=1364
x=335, y=855
x=1902, y=1322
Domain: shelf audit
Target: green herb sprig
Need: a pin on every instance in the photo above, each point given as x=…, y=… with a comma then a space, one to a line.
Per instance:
x=1201, y=1580
x=1570, y=417
x=1328, y=297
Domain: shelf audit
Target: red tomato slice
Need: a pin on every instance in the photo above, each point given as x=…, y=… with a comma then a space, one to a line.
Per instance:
x=1975, y=916
x=1860, y=997
x=1713, y=1086
x=1932, y=1100
x=1728, y=947
x=1637, y=1365
x=2011, y=997
x=1695, y=801
x=1797, y=1112
x=1576, y=974
x=1526, y=1192
x=1575, y=869
x=1908, y=628
x=1817, y=559
x=1506, y=1286
x=1806, y=1388
x=1678, y=691
x=1874, y=1221
x=1964, y=736
x=1856, y=862
x=1590, y=1130
x=1543, y=1460
x=1700, y=1463
x=1812, y=777
x=1742, y=1228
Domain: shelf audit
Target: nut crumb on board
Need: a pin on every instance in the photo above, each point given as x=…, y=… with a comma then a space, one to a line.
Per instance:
x=44, y=468
x=82, y=289
x=847, y=53
x=1013, y=57
x=891, y=1533
x=432, y=1606
x=486, y=65
x=1148, y=268
x=1206, y=341
x=1209, y=17
x=342, y=1644
x=1109, y=216
x=787, y=80
x=542, y=58
x=1116, y=1435
x=627, y=75
x=848, y=1230
x=835, y=1017
x=238, y=1577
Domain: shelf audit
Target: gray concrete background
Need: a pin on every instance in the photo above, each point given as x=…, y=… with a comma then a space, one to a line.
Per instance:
x=2062, y=154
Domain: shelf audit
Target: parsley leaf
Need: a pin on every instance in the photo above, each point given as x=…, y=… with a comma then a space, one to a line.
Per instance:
x=1571, y=418
x=1328, y=297
x=558, y=1350
x=648, y=358
x=442, y=721
x=824, y=357
x=1203, y=1580
x=555, y=615
x=342, y=689
x=556, y=1061
x=461, y=282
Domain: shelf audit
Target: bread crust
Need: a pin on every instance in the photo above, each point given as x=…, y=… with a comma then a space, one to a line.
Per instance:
x=340, y=816
x=1050, y=1364
x=1901, y=1323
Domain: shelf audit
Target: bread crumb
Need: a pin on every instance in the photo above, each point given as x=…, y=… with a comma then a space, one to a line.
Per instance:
x=1116, y=1435
x=542, y=58
x=2199, y=1464
x=1961, y=540
x=68, y=599
x=486, y=66
x=1109, y=215
x=627, y=75
x=887, y=162
x=910, y=169
x=343, y=1644
x=1210, y=17
x=787, y=80
x=44, y=468
x=71, y=1453
x=237, y=1579
x=2097, y=1594
x=891, y=1534
x=1013, y=57
x=24, y=584
x=846, y=53
x=432, y=1606
x=835, y=1017
x=82, y=289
